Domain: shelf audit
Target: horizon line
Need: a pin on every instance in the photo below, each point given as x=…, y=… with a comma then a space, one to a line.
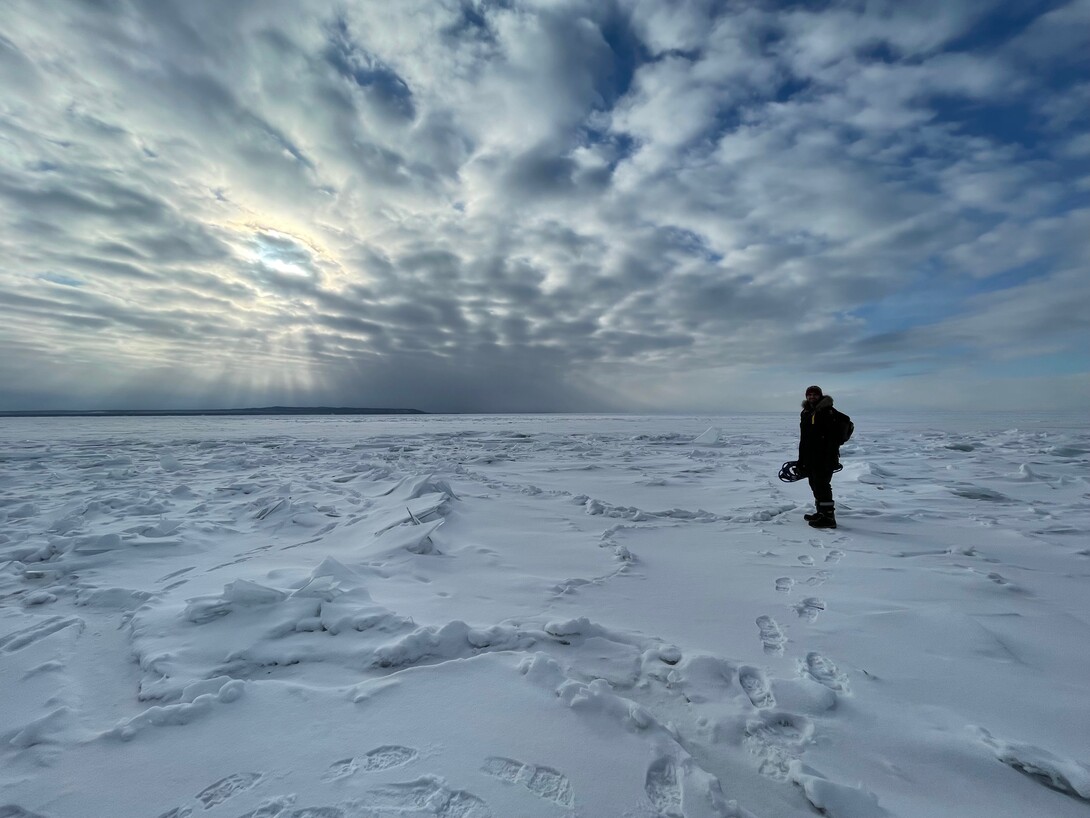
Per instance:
x=255, y=410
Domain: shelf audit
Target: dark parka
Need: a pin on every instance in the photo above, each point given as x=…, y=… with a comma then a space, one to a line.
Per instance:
x=819, y=443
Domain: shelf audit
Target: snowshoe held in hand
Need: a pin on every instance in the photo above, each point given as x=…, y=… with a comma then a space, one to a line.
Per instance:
x=792, y=471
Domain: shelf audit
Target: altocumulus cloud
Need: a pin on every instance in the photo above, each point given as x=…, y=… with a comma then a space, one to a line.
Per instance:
x=517, y=205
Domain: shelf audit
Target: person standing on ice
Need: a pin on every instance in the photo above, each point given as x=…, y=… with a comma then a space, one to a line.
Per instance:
x=819, y=453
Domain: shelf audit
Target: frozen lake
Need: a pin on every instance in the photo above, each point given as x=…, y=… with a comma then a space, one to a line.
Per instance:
x=509, y=616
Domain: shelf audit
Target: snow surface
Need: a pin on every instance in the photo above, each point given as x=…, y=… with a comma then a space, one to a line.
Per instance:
x=541, y=616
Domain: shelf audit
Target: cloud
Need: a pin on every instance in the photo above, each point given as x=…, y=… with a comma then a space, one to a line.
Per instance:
x=477, y=205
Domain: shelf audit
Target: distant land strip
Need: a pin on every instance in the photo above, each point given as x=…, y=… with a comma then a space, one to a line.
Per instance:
x=263, y=410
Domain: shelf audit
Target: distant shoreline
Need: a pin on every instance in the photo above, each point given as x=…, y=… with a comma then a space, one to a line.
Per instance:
x=265, y=410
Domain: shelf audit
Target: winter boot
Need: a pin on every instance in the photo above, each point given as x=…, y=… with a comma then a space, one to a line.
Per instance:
x=825, y=517
x=809, y=517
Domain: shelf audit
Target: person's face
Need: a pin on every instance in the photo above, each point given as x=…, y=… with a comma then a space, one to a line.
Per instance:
x=813, y=397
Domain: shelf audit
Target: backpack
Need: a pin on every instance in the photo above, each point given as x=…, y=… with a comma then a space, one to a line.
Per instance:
x=843, y=425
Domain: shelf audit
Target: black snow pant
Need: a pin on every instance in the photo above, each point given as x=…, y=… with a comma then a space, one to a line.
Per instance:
x=821, y=483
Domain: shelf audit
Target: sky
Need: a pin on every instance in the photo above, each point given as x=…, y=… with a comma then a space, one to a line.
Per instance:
x=544, y=205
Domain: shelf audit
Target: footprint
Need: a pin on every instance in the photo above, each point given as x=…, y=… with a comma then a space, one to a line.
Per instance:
x=818, y=579
x=427, y=796
x=806, y=559
x=771, y=636
x=226, y=787
x=809, y=608
x=381, y=758
x=777, y=739
x=341, y=769
x=386, y=758
x=662, y=788
x=464, y=805
x=551, y=785
x=544, y=782
x=784, y=584
x=783, y=729
x=503, y=768
x=317, y=812
x=824, y=671
x=834, y=556
x=756, y=686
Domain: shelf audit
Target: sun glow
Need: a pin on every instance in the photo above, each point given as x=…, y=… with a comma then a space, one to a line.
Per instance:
x=281, y=266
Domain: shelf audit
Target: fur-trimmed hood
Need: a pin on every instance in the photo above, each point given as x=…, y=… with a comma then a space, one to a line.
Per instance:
x=826, y=402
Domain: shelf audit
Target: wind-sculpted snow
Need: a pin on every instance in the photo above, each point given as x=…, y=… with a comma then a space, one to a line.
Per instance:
x=557, y=616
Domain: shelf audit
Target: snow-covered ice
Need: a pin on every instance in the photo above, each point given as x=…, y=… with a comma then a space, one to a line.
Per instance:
x=523, y=616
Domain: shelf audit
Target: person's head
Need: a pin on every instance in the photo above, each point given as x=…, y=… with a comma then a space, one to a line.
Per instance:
x=813, y=394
